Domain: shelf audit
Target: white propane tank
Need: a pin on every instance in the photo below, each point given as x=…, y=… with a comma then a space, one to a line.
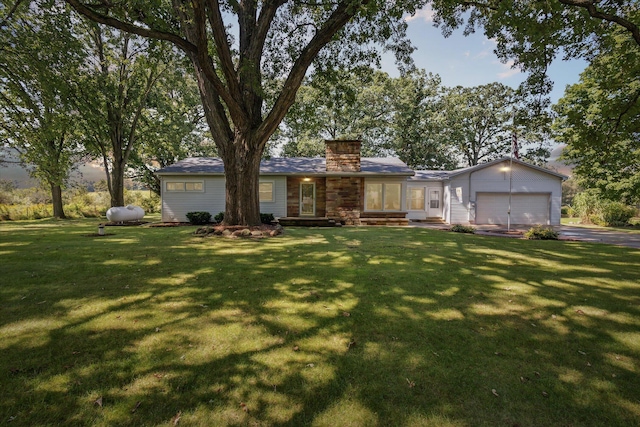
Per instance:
x=125, y=213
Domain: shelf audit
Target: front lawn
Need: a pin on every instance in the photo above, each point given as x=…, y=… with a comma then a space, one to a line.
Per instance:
x=342, y=326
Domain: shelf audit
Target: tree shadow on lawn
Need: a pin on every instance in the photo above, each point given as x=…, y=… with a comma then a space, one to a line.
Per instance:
x=354, y=326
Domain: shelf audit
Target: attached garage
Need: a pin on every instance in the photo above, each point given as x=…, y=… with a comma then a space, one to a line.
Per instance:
x=529, y=209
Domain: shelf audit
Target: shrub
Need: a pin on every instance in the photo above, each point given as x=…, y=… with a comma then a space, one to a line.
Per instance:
x=151, y=204
x=199, y=218
x=219, y=217
x=590, y=207
x=266, y=218
x=459, y=228
x=541, y=233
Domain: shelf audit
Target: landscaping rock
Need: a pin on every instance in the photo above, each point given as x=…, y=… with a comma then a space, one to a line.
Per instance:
x=256, y=233
x=226, y=233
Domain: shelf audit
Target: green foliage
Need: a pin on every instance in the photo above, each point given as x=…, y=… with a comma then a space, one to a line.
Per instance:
x=219, y=217
x=266, y=218
x=479, y=122
x=614, y=214
x=148, y=201
x=459, y=228
x=199, y=218
x=591, y=207
x=541, y=233
x=599, y=121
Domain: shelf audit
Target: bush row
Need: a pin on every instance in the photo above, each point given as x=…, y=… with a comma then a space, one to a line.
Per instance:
x=19, y=204
x=591, y=208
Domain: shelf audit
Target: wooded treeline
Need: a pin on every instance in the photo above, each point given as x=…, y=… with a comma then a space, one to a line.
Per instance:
x=140, y=85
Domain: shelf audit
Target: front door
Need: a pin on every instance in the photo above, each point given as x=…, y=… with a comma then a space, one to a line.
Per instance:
x=434, y=208
x=307, y=199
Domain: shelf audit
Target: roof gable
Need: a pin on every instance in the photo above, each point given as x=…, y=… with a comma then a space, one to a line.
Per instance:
x=470, y=169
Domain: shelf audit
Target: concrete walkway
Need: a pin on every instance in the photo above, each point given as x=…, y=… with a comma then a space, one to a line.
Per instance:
x=566, y=232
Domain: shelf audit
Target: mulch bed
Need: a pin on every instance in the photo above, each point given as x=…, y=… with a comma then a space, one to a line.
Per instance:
x=256, y=231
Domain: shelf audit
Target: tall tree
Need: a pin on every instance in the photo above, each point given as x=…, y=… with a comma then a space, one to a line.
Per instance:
x=478, y=121
x=599, y=120
x=176, y=128
x=115, y=96
x=274, y=39
x=39, y=60
x=417, y=122
x=343, y=104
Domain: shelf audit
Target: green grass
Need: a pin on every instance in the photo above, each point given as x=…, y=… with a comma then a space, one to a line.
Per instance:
x=633, y=228
x=344, y=326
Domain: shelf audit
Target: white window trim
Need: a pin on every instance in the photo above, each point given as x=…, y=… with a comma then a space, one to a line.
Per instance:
x=273, y=190
x=384, y=195
x=184, y=186
x=409, y=199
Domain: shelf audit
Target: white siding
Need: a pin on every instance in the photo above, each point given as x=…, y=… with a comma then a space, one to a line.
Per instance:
x=459, y=199
x=279, y=205
x=176, y=205
x=524, y=179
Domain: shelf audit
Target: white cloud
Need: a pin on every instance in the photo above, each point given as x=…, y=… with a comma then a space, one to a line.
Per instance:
x=482, y=54
x=467, y=53
x=425, y=14
x=509, y=70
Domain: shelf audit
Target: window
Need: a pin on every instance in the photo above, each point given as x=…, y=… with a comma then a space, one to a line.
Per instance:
x=265, y=191
x=373, y=197
x=383, y=197
x=416, y=199
x=194, y=186
x=184, y=186
x=175, y=186
x=392, y=197
x=434, y=199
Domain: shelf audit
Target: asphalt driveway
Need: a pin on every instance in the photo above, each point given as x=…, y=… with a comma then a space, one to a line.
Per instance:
x=567, y=232
x=596, y=235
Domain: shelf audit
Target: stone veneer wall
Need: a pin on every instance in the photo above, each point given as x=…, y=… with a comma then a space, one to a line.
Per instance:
x=293, y=196
x=342, y=156
x=344, y=195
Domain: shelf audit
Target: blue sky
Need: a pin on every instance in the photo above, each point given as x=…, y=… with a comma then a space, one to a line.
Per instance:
x=470, y=61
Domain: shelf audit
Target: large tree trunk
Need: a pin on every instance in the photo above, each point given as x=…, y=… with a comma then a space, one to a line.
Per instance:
x=242, y=173
x=116, y=189
x=56, y=199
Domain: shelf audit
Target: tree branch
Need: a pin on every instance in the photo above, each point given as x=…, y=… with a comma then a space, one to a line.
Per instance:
x=595, y=13
x=131, y=28
x=10, y=13
x=342, y=14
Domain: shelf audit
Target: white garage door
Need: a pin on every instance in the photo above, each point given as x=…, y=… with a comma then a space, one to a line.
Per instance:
x=491, y=208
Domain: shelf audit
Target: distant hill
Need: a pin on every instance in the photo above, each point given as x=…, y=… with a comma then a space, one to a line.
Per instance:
x=13, y=171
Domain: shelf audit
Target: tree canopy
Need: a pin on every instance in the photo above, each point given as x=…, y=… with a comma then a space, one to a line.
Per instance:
x=39, y=61
x=271, y=39
x=599, y=121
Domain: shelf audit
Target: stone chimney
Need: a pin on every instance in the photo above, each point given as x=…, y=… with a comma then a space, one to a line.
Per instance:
x=343, y=156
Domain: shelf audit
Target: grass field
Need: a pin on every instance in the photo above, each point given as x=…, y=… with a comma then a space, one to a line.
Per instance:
x=339, y=327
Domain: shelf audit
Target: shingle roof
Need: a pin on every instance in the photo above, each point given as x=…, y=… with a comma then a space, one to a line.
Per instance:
x=430, y=175
x=290, y=166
